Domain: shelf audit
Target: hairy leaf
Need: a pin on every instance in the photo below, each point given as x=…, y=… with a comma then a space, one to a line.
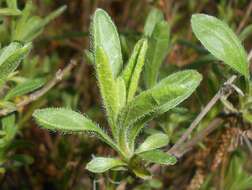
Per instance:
x=24, y=88
x=157, y=51
x=131, y=73
x=220, y=41
x=153, y=18
x=103, y=164
x=66, y=120
x=153, y=142
x=105, y=36
x=158, y=157
x=107, y=86
x=168, y=93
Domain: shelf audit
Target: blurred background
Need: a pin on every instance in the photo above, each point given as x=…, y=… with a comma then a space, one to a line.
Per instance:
x=39, y=159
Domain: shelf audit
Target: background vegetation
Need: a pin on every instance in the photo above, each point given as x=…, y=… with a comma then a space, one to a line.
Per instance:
x=34, y=158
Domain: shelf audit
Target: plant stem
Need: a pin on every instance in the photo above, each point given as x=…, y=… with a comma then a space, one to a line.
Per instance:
x=37, y=94
x=224, y=90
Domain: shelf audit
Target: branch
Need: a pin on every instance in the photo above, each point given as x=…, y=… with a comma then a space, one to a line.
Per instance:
x=37, y=94
x=224, y=90
x=245, y=18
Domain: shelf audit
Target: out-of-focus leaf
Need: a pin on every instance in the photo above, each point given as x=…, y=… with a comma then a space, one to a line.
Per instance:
x=157, y=51
x=105, y=36
x=158, y=157
x=24, y=88
x=220, y=41
x=10, y=12
x=28, y=27
x=154, y=17
x=103, y=164
x=131, y=73
x=12, y=4
x=10, y=58
x=245, y=33
x=153, y=142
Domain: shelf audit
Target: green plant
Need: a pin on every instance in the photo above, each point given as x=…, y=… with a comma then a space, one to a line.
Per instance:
x=127, y=113
x=18, y=30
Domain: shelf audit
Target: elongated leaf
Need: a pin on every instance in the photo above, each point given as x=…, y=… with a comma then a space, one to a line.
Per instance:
x=103, y=164
x=220, y=41
x=154, y=17
x=12, y=4
x=29, y=27
x=24, y=88
x=153, y=142
x=105, y=36
x=66, y=120
x=107, y=86
x=132, y=72
x=158, y=157
x=10, y=12
x=10, y=58
x=168, y=93
x=157, y=51
x=245, y=33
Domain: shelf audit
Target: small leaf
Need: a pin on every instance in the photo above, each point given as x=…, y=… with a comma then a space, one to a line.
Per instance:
x=103, y=164
x=245, y=33
x=131, y=73
x=10, y=58
x=66, y=120
x=105, y=36
x=24, y=88
x=154, y=17
x=10, y=12
x=158, y=157
x=153, y=142
x=220, y=41
x=157, y=51
x=138, y=168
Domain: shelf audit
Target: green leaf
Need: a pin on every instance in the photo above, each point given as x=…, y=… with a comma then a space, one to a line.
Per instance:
x=137, y=166
x=154, y=17
x=153, y=142
x=66, y=120
x=24, y=88
x=10, y=58
x=131, y=73
x=105, y=36
x=12, y=4
x=167, y=94
x=220, y=41
x=158, y=157
x=10, y=12
x=29, y=27
x=103, y=164
x=245, y=33
x=157, y=51
x=107, y=87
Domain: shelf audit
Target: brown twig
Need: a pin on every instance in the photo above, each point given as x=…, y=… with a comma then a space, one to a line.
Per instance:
x=245, y=18
x=224, y=90
x=37, y=94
